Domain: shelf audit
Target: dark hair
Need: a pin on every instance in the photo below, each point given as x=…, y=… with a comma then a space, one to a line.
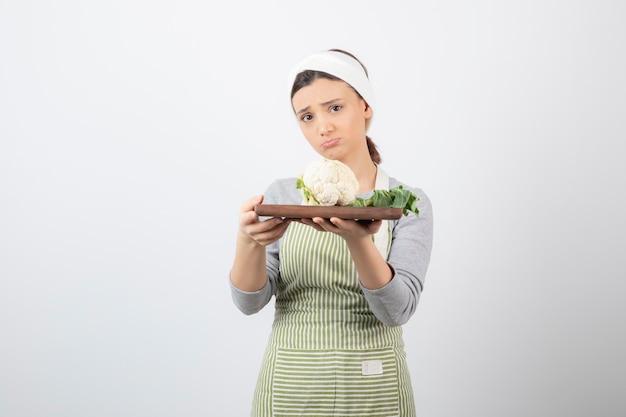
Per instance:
x=307, y=77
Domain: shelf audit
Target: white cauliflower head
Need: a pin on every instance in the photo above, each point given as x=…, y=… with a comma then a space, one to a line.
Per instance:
x=328, y=182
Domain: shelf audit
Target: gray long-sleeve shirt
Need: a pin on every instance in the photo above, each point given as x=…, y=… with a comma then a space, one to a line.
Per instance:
x=409, y=257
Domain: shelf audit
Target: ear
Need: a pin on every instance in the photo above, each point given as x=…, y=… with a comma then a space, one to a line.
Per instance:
x=368, y=112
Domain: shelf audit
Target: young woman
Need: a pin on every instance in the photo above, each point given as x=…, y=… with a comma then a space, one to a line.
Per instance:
x=336, y=346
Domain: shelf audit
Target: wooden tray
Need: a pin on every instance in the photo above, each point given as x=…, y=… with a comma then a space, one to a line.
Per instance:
x=343, y=212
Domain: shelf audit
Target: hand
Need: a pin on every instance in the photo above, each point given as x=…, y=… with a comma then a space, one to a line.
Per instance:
x=259, y=232
x=348, y=229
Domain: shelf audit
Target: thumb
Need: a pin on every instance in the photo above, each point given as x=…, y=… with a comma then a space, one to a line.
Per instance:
x=248, y=205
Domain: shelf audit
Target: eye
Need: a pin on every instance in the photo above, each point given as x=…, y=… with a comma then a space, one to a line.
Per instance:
x=306, y=117
x=335, y=108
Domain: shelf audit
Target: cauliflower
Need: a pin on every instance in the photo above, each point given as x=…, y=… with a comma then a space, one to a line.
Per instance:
x=328, y=182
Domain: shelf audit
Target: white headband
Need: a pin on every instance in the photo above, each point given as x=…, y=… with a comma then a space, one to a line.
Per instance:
x=341, y=66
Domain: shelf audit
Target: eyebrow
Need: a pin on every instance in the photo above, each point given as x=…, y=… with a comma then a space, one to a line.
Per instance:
x=326, y=103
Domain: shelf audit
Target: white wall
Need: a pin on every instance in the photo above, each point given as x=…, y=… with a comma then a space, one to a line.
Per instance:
x=131, y=131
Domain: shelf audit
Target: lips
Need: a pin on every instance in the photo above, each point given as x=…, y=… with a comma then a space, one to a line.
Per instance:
x=330, y=143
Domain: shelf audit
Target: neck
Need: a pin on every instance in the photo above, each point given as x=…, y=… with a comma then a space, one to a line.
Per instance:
x=366, y=175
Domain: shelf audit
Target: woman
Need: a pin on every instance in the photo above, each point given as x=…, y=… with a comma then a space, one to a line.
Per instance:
x=336, y=344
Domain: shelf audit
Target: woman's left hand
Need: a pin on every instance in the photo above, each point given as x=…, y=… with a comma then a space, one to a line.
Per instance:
x=348, y=229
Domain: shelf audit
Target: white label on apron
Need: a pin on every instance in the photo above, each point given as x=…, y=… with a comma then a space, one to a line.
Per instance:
x=374, y=367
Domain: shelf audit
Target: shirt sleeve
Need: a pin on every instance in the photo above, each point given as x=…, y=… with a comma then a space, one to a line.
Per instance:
x=409, y=257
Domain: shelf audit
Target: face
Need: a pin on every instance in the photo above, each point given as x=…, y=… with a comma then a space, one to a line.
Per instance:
x=332, y=117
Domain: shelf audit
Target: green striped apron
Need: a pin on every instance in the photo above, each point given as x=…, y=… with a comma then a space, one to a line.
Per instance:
x=328, y=355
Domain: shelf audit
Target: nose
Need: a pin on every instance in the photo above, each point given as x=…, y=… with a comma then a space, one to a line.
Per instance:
x=325, y=127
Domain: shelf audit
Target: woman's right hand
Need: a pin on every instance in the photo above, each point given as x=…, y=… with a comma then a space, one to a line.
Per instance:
x=256, y=231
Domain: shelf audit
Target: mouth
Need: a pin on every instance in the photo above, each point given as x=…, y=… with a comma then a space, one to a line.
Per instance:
x=330, y=143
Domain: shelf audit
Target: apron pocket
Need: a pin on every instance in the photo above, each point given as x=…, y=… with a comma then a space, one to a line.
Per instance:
x=336, y=382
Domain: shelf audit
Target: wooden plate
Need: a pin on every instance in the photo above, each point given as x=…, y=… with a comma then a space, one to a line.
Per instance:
x=343, y=212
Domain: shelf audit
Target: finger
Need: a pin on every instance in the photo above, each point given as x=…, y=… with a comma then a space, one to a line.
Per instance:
x=374, y=226
x=336, y=221
x=311, y=222
x=327, y=224
x=249, y=204
x=320, y=220
x=247, y=218
x=270, y=230
x=258, y=227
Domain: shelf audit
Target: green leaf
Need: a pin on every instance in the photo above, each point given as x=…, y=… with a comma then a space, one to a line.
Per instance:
x=397, y=197
x=309, y=198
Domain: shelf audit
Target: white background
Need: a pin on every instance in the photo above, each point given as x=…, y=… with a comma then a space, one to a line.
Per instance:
x=131, y=132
